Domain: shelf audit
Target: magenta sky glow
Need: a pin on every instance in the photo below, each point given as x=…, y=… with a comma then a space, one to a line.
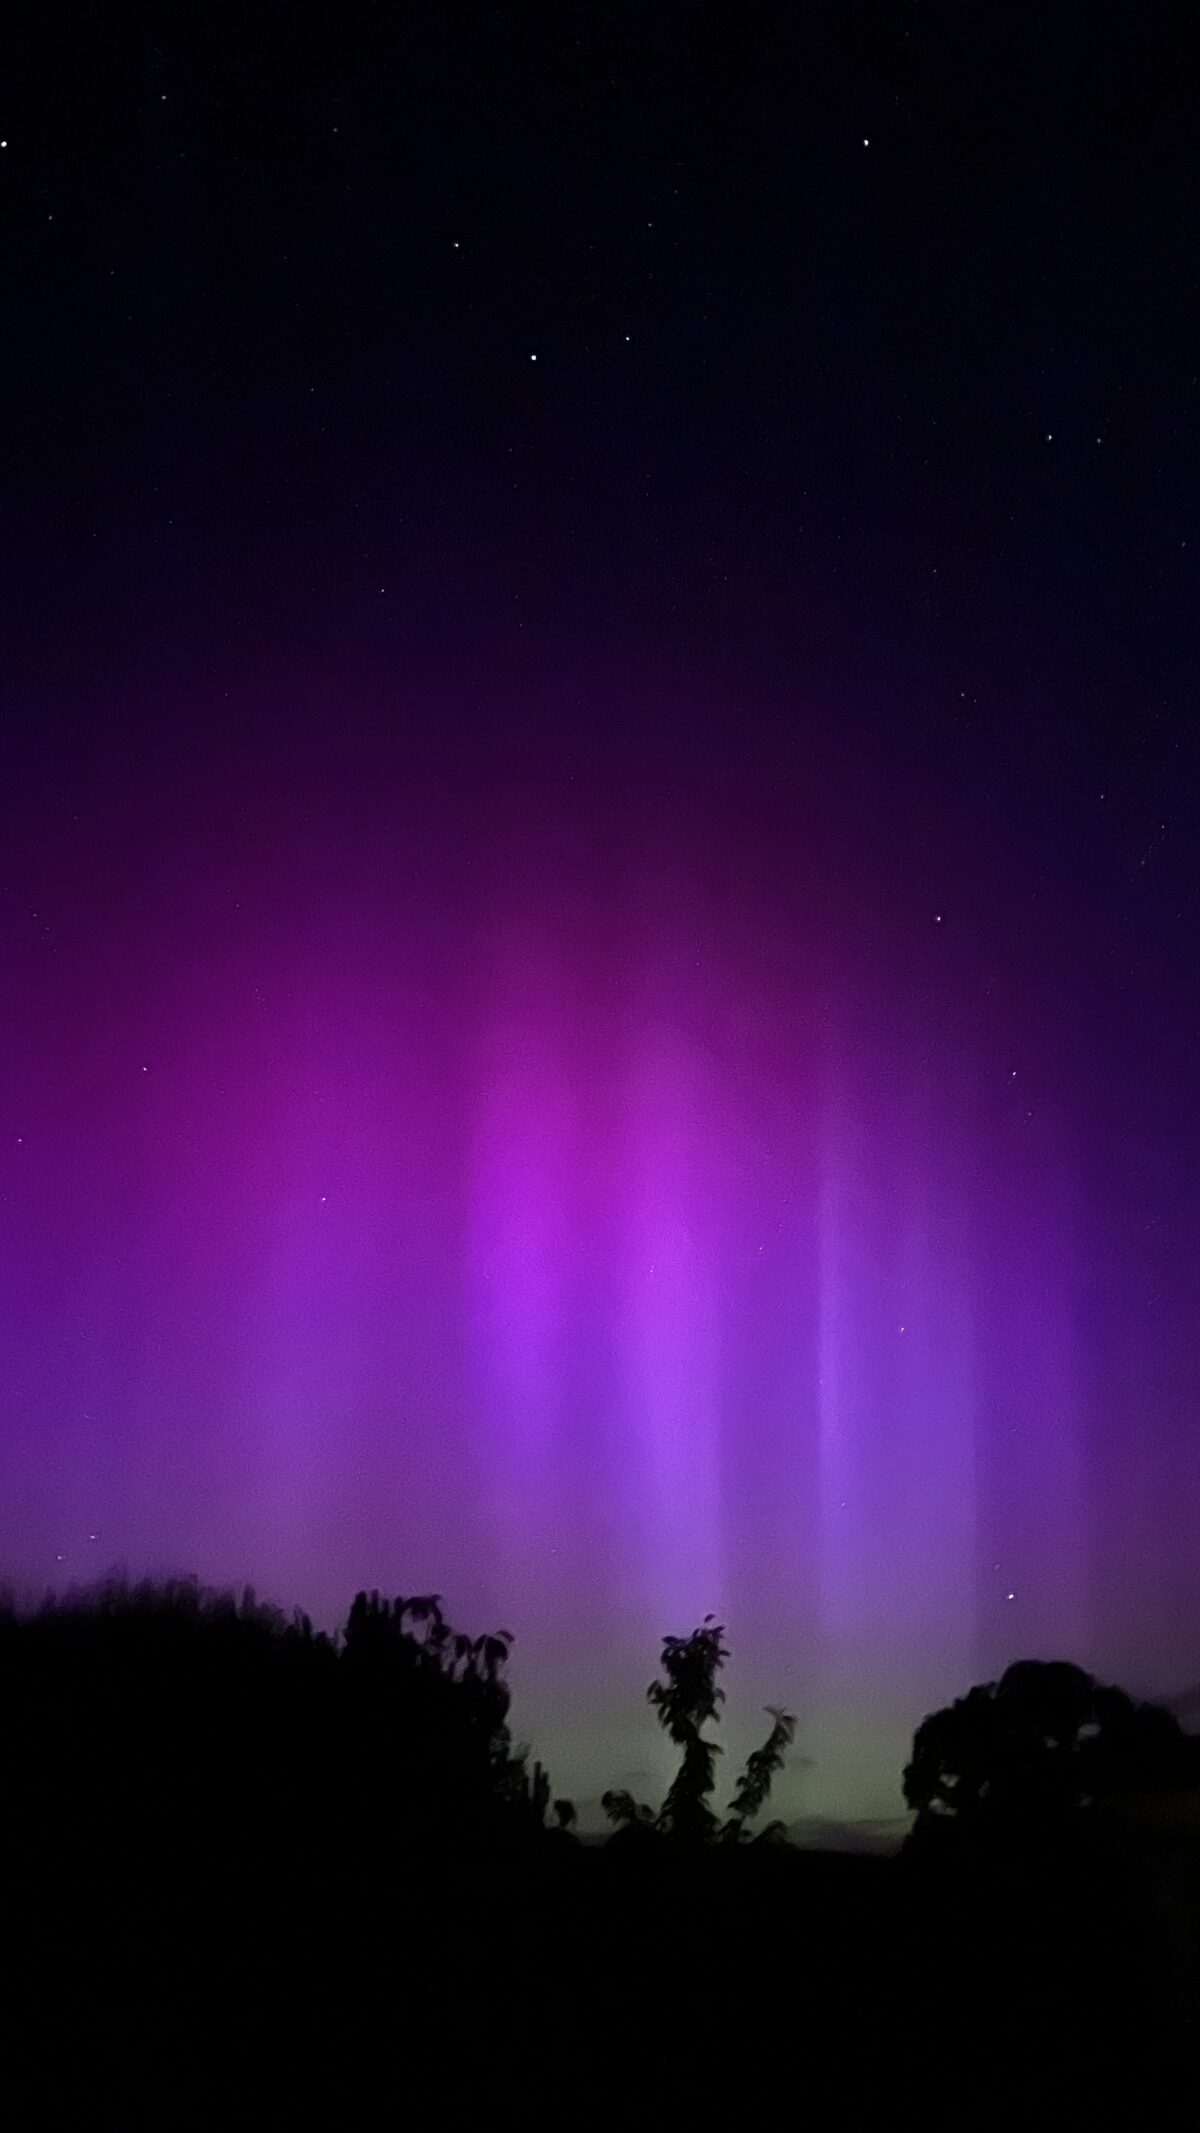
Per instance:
x=599, y=956
x=499, y=1210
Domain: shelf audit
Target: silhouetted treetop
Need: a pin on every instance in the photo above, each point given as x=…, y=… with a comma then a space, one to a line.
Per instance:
x=1034, y=1751
x=685, y=1701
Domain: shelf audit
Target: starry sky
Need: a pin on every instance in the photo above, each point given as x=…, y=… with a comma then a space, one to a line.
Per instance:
x=598, y=838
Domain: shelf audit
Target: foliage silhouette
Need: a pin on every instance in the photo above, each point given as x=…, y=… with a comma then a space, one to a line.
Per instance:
x=150, y=1695
x=685, y=1700
x=1028, y=1757
x=255, y=1871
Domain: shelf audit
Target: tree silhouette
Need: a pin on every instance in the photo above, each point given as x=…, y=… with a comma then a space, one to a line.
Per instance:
x=429, y=1707
x=167, y=1705
x=685, y=1700
x=1032, y=1754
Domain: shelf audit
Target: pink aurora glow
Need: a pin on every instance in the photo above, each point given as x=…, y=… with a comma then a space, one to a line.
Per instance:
x=446, y=1206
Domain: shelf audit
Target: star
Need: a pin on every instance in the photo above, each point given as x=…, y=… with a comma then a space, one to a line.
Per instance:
x=533, y=359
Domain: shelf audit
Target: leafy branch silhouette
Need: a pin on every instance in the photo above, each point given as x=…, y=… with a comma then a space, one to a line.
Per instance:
x=686, y=1700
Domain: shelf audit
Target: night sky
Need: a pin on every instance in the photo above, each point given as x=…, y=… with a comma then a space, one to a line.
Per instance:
x=598, y=838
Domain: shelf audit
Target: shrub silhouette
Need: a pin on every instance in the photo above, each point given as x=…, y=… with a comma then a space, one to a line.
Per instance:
x=685, y=1701
x=1031, y=1755
x=134, y=1702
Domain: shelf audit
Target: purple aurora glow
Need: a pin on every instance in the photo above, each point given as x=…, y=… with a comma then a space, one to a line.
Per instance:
x=441, y=1193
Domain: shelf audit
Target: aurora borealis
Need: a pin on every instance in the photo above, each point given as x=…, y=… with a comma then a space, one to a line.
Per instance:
x=428, y=1183
x=599, y=964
